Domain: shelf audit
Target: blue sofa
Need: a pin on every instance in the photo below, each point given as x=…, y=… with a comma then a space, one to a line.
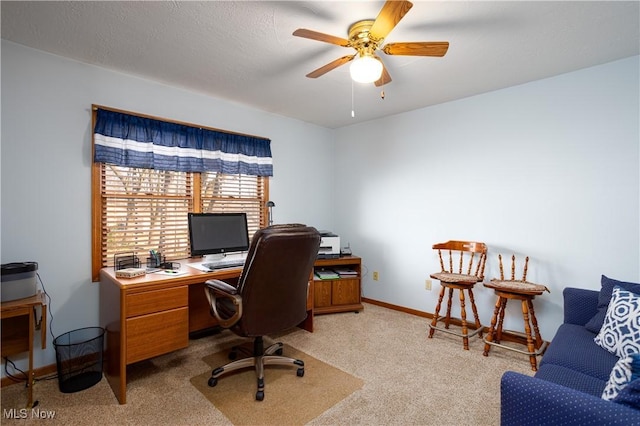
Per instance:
x=573, y=372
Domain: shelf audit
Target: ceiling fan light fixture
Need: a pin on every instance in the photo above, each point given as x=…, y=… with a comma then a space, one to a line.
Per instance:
x=365, y=69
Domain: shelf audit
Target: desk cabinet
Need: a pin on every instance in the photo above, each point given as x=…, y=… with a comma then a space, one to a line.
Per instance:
x=338, y=295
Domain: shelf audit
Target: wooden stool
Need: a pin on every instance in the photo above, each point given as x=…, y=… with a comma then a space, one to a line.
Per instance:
x=449, y=279
x=525, y=292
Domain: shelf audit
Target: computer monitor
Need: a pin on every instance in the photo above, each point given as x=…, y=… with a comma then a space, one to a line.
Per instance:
x=217, y=233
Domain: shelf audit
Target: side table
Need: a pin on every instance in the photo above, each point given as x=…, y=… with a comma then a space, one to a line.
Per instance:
x=18, y=318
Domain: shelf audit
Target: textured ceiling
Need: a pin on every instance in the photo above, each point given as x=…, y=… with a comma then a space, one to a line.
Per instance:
x=245, y=52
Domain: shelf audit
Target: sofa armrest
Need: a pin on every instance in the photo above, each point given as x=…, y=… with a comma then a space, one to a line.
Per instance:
x=526, y=400
x=580, y=305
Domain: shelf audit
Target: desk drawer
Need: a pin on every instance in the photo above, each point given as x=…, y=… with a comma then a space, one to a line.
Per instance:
x=156, y=301
x=156, y=334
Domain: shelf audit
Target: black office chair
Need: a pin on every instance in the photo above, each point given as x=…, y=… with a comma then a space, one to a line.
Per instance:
x=271, y=296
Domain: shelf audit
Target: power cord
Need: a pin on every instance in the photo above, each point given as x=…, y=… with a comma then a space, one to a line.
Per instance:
x=24, y=379
x=7, y=361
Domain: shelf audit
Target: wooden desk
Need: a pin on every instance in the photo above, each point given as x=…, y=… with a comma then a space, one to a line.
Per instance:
x=154, y=314
x=18, y=326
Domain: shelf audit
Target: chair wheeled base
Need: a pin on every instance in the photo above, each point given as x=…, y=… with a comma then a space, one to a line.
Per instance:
x=258, y=359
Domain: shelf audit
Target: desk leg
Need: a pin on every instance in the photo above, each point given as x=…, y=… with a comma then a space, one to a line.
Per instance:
x=307, y=324
x=111, y=305
x=30, y=373
x=43, y=328
x=116, y=368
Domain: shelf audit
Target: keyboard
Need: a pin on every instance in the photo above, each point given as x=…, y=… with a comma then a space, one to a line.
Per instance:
x=225, y=263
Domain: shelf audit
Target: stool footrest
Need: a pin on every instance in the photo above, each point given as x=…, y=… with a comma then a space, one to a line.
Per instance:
x=456, y=333
x=537, y=352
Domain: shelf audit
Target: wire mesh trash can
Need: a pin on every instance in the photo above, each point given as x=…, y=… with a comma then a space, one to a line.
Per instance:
x=79, y=358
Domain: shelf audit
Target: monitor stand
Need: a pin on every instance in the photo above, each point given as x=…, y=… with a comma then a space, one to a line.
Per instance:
x=222, y=257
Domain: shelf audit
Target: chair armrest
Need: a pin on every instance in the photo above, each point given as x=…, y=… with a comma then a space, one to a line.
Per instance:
x=526, y=400
x=216, y=289
x=222, y=286
x=580, y=305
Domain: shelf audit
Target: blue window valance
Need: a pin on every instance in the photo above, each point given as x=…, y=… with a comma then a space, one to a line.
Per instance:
x=133, y=141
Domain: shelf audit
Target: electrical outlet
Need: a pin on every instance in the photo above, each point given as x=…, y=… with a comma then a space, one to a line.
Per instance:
x=375, y=275
x=427, y=285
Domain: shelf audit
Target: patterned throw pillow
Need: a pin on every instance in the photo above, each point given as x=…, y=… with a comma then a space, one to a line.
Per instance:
x=620, y=333
x=626, y=370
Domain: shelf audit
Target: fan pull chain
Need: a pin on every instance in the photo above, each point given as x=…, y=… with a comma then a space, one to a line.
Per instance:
x=353, y=108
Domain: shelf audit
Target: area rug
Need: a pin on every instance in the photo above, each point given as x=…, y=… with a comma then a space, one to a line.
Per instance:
x=289, y=399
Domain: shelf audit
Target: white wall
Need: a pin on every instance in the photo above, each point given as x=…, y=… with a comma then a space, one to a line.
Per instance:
x=548, y=169
x=46, y=175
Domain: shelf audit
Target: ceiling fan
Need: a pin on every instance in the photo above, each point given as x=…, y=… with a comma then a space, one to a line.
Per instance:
x=366, y=37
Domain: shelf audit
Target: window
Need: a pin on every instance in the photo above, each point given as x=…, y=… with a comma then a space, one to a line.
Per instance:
x=222, y=193
x=144, y=209
x=140, y=209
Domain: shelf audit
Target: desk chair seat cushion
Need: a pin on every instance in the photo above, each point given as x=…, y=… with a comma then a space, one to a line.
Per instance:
x=448, y=277
x=517, y=287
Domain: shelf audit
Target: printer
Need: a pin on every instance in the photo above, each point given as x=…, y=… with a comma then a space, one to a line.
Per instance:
x=329, y=245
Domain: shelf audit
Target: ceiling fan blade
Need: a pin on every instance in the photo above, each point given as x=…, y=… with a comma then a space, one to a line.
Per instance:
x=314, y=35
x=419, y=48
x=389, y=16
x=330, y=66
x=385, y=77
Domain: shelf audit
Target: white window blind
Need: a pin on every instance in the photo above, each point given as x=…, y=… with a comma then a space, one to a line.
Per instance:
x=223, y=193
x=145, y=209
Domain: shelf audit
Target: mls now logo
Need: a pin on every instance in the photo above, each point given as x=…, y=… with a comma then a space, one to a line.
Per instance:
x=14, y=413
x=23, y=413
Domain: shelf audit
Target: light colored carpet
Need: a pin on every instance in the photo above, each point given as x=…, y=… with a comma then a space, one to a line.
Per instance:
x=408, y=379
x=289, y=399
